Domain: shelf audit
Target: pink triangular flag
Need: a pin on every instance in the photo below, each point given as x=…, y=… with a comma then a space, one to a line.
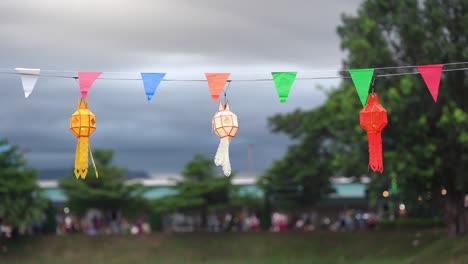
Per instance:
x=86, y=80
x=431, y=75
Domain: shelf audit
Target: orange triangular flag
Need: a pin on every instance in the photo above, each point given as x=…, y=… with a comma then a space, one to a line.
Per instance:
x=216, y=82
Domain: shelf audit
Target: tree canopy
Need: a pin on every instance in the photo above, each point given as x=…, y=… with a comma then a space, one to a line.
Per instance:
x=201, y=188
x=21, y=202
x=109, y=192
x=424, y=143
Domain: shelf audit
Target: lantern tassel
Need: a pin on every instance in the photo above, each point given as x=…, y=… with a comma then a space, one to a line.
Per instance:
x=92, y=161
x=81, y=157
x=222, y=156
x=375, y=151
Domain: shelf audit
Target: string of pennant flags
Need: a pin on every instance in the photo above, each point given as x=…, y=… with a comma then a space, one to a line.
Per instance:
x=283, y=81
x=225, y=124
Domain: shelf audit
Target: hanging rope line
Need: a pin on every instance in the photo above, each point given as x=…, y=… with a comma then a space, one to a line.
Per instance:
x=56, y=74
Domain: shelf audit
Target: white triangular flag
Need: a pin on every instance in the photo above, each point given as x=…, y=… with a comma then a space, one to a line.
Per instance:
x=28, y=78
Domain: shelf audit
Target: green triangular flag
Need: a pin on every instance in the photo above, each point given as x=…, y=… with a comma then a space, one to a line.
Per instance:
x=283, y=82
x=362, y=79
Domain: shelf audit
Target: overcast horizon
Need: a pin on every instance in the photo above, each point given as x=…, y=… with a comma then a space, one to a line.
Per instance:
x=183, y=38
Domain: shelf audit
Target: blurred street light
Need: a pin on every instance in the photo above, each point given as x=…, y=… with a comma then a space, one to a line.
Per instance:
x=443, y=192
x=385, y=194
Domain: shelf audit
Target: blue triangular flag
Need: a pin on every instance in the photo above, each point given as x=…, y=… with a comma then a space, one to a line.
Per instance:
x=151, y=82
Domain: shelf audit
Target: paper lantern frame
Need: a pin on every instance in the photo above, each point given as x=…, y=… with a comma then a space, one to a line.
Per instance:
x=82, y=125
x=82, y=121
x=225, y=122
x=373, y=117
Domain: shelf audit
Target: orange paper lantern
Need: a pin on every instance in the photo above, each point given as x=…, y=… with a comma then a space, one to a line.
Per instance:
x=373, y=119
x=82, y=125
x=225, y=125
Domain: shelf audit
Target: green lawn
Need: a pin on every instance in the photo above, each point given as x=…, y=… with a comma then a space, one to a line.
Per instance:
x=237, y=248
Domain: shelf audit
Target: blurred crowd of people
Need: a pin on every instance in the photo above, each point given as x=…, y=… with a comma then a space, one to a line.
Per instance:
x=350, y=220
x=179, y=222
x=95, y=222
x=241, y=222
x=5, y=230
x=279, y=222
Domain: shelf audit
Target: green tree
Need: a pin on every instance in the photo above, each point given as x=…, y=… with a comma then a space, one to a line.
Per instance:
x=201, y=188
x=301, y=178
x=425, y=143
x=109, y=192
x=21, y=203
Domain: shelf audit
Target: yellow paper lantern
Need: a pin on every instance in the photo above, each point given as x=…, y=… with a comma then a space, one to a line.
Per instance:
x=83, y=124
x=225, y=125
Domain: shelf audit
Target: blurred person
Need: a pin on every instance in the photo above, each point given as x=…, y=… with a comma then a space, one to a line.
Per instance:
x=360, y=219
x=76, y=227
x=139, y=224
x=279, y=222
x=300, y=224
x=275, y=219
x=134, y=230
x=349, y=220
x=124, y=226
x=145, y=228
x=283, y=224
x=5, y=231
x=227, y=222
x=308, y=226
x=326, y=222
x=114, y=223
x=233, y=223
x=239, y=222
x=254, y=223
x=335, y=227
x=213, y=223
x=372, y=221
x=245, y=223
x=342, y=222
x=68, y=224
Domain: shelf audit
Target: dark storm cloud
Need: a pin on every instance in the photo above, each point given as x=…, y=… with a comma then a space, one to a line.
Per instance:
x=183, y=38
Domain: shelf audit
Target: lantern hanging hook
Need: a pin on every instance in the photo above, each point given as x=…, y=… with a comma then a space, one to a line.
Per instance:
x=372, y=86
x=76, y=81
x=225, y=93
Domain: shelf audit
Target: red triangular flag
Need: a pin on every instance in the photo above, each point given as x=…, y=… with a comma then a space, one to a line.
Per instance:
x=86, y=80
x=216, y=82
x=431, y=75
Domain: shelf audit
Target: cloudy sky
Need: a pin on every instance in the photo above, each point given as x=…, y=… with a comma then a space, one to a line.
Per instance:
x=184, y=38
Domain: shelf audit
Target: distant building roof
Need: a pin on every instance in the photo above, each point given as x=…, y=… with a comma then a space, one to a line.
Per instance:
x=348, y=190
x=163, y=185
x=55, y=174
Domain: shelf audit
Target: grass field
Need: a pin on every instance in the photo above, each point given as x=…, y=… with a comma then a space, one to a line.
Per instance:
x=237, y=248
